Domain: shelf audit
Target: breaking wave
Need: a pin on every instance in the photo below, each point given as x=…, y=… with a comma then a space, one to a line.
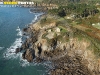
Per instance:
x=10, y=52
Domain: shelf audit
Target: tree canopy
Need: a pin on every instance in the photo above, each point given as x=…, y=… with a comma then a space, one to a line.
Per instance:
x=81, y=10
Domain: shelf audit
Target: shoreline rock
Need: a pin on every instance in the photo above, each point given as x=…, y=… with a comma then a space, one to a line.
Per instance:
x=70, y=57
x=18, y=50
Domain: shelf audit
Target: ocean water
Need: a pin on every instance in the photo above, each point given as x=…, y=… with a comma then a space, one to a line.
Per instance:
x=12, y=21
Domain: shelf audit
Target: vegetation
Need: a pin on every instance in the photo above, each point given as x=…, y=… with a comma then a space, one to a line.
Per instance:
x=94, y=42
x=63, y=30
x=47, y=20
x=79, y=10
x=61, y=13
x=85, y=14
x=64, y=2
x=89, y=20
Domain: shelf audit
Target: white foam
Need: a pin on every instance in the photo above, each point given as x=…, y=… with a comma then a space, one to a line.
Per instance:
x=48, y=64
x=19, y=31
x=36, y=17
x=30, y=11
x=10, y=52
x=23, y=62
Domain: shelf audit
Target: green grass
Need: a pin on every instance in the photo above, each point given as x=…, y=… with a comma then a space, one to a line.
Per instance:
x=63, y=30
x=63, y=38
x=45, y=21
x=78, y=34
x=89, y=20
x=44, y=35
x=88, y=30
x=95, y=46
x=94, y=43
x=61, y=19
x=48, y=40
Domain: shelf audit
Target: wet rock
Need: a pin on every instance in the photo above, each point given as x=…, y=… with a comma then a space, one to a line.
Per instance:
x=23, y=55
x=25, y=29
x=29, y=55
x=38, y=60
x=23, y=46
x=17, y=50
x=24, y=33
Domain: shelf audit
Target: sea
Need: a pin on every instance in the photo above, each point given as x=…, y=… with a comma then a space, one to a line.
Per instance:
x=12, y=22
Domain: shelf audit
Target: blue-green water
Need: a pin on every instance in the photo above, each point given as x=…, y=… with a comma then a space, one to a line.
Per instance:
x=12, y=21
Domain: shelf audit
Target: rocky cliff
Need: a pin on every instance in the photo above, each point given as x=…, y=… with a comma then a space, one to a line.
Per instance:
x=59, y=44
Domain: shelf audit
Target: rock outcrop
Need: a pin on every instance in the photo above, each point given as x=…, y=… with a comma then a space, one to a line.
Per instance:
x=29, y=55
x=69, y=55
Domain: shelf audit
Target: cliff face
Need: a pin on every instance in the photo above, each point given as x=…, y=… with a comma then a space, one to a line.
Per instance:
x=55, y=43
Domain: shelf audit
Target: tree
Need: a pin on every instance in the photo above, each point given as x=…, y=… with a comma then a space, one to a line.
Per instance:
x=61, y=13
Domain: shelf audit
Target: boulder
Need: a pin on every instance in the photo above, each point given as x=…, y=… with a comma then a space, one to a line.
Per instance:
x=29, y=55
x=23, y=55
x=38, y=60
x=25, y=45
x=17, y=50
x=25, y=29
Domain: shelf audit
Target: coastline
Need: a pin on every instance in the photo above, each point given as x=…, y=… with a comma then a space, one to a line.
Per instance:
x=15, y=63
x=67, y=56
x=28, y=29
x=31, y=56
x=61, y=46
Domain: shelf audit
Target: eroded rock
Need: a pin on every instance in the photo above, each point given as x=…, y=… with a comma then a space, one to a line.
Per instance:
x=29, y=55
x=18, y=50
